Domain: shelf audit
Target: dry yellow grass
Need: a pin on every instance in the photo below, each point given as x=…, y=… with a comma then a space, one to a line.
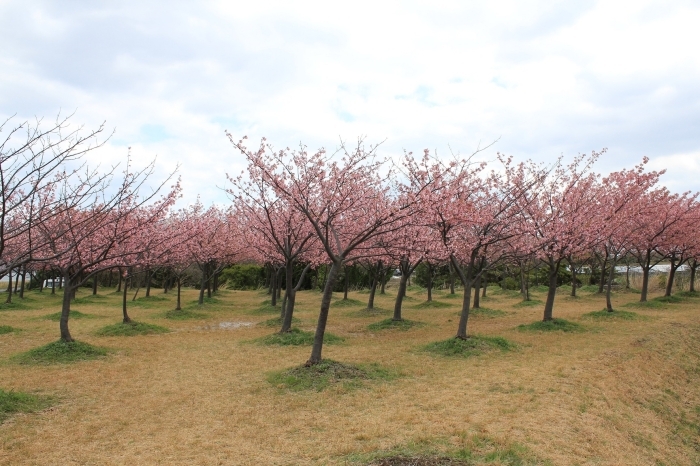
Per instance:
x=623, y=392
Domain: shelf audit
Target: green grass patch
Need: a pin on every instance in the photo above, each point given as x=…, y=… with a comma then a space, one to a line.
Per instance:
x=452, y=296
x=588, y=288
x=432, y=305
x=18, y=402
x=73, y=315
x=415, y=288
x=614, y=315
x=389, y=324
x=60, y=352
x=297, y=337
x=559, y=325
x=184, y=314
x=528, y=303
x=277, y=322
x=368, y=312
x=130, y=329
x=486, y=312
x=149, y=302
x=89, y=299
x=669, y=299
x=651, y=304
x=329, y=373
x=15, y=305
x=689, y=294
x=473, y=450
x=6, y=329
x=267, y=309
x=475, y=345
x=346, y=303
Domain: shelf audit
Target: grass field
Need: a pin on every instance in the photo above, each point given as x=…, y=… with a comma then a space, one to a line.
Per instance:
x=616, y=391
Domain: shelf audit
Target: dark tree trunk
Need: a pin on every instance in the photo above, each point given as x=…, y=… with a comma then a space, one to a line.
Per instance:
x=400, y=295
x=124, y=313
x=477, y=290
x=53, y=285
x=216, y=282
x=323, y=314
x=627, y=277
x=273, y=288
x=109, y=279
x=452, y=279
x=384, y=271
x=41, y=285
x=270, y=280
x=94, y=285
x=601, y=285
x=549, y=304
x=279, y=284
x=693, y=265
x=209, y=277
x=466, y=280
x=65, y=310
x=8, y=300
x=671, y=277
x=347, y=284
x=372, y=291
x=177, y=307
x=608, y=291
x=523, y=286
x=573, y=279
x=17, y=279
x=483, y=288
x=149, y=275
x=121, y=279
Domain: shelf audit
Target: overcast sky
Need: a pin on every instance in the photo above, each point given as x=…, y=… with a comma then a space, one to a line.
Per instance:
x=543, y=78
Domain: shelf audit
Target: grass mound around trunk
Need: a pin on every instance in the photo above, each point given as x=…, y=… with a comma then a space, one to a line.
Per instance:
x=614, y=315
x=473, y=346
x=18, y=402
x=390, y=324
x=346, y=303
x=267, y=308
x=277, y=322
x=432, y=305
x=184, y=314
x=73, y=315
x=130, y=329
x=486, y=312
x=60, y=352
x=368, y=312
x=558, y=325
x=6, y=329
x=528, y=303
x=329, y=373
x=297, y=337
x=651, y=304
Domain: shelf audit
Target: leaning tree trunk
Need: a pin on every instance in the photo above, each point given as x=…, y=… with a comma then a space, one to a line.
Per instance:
x=292, y=296
x=323, y=314
x=477, y=290
x=671, y=277
x=549, y=304
x=65, y=310
x=126, y=319
x=372, y=292
x=400, y=296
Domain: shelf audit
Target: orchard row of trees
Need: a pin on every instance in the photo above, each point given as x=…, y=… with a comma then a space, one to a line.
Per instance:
x=293, y=211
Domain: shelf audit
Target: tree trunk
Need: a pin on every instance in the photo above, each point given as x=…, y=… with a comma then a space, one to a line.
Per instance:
x=19, y=272
x=477, y=290
x=382, y=275
x=279, y=285
x=452, y=279
x=148, y=282
x=523, y=287
x=273, y=288
x=483, y=288
x=65, y=310
x=8, y=300
x=347, y=284
x=53, y=285
x=209, y=273
x=601, y=285
x=323, y=314
x=372, y=291
x=573, y=279
x=270, y=280
x=549, y=304
x=126, y=319
x=627, y=278
x=467, y=284
x=109, y=279
x=608, y=291
x=119, y=284
x=289, y=299
x=400, y=296
x=41, y=285
x=671, y=277
x=177, y=307
x=94, y=284
x=646, y=268
x=693, y=266
x=216, y=282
